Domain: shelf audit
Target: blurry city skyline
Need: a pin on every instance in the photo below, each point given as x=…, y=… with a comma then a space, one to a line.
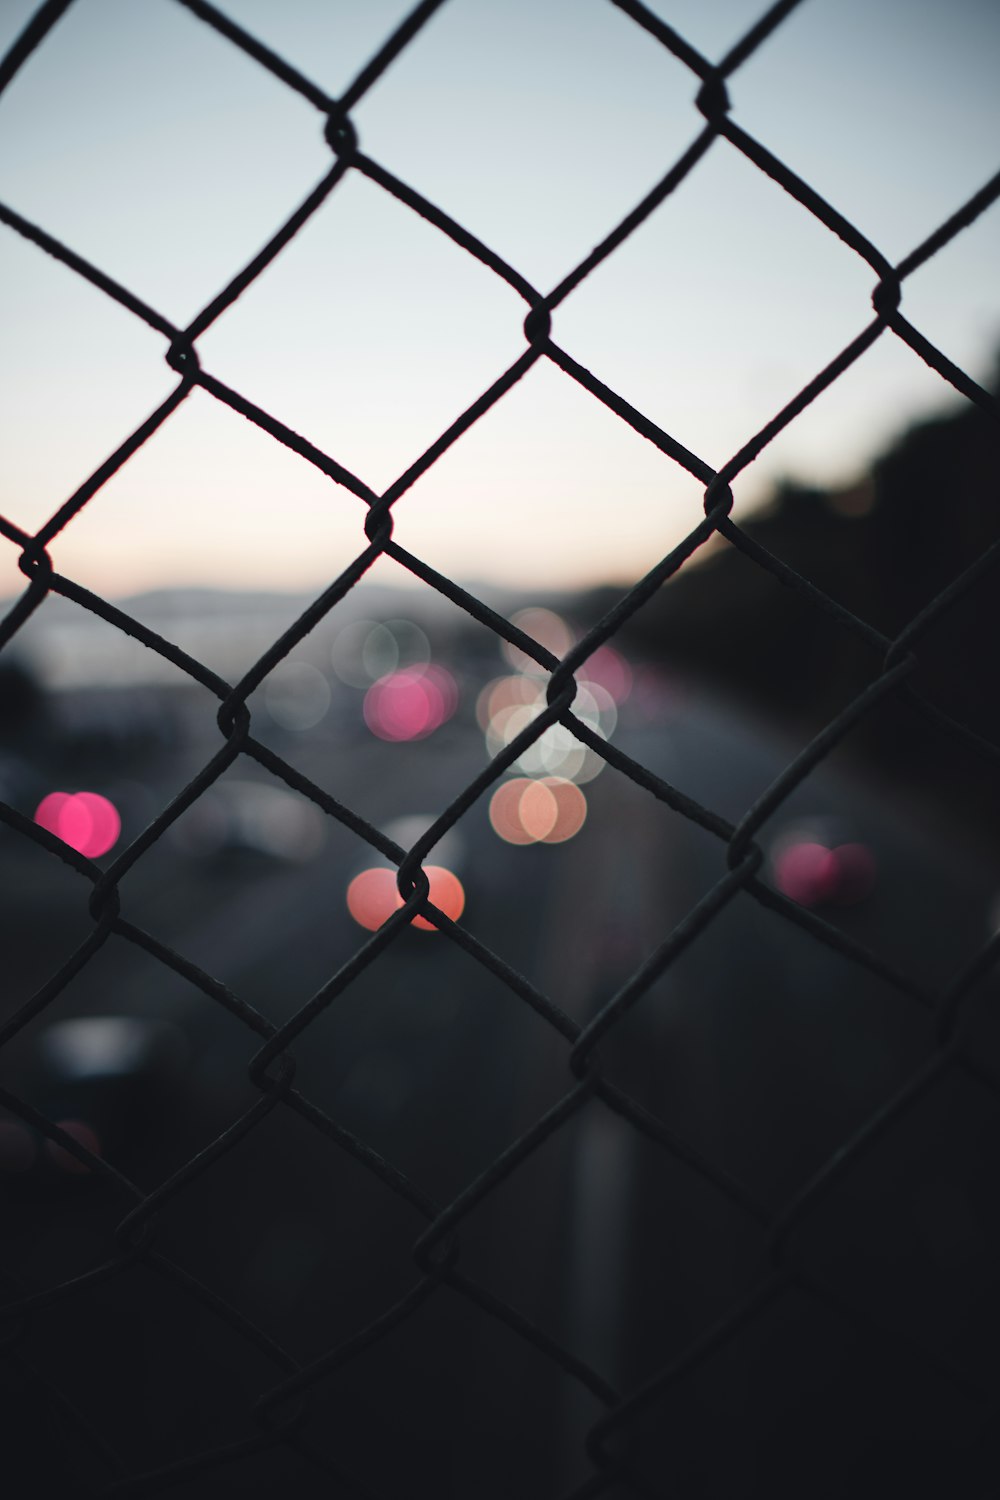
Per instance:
x=160, y=152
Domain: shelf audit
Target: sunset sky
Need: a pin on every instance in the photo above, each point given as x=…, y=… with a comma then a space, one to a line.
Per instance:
x=156, y=149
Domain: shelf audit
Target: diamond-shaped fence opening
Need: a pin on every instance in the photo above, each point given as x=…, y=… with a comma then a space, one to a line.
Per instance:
x=666, y=1167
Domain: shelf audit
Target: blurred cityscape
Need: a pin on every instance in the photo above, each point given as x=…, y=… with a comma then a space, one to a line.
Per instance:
x=761, y=1048
x=605, y=1152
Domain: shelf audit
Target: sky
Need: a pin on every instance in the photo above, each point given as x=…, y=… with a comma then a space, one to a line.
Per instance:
x=155, y=148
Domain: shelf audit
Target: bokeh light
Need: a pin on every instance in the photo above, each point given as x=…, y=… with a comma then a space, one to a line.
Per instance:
x=571, y=809
x=806, y=873
x=446, y=893
x=448, y=848
x=347, y=653
x=538, y=810
x=86, y=821
x=507, y=692
x=609, y=669
x=393, y=646
x=366, y=650
x=296, y=695
x=544, y=626
x=812, y=875
x=373, y=896
x=505, y=816
x=411, y=704
x=557, y=751
x=597, y=707
x=545, y=811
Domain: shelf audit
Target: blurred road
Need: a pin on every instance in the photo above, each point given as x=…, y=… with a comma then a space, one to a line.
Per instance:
x=760, y=1048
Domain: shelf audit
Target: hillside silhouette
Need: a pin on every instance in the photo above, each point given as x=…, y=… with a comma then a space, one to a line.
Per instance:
x=883, y=549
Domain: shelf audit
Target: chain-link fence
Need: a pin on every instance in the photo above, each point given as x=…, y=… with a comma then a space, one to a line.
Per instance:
x=501, y=1368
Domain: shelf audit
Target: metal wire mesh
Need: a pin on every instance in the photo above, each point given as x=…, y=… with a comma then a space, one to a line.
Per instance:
x=276, y=1421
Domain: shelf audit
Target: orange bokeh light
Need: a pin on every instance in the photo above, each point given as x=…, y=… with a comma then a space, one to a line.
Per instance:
x=571, y=809
x=373, y=896
x=545, y=811
x=505, y=816
x=507, y=692
x=537, y=810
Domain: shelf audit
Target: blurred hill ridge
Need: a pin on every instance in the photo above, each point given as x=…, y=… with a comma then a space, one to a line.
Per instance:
x=883, y=549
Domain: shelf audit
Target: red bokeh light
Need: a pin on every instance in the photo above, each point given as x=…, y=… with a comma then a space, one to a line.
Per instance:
x=446, y=893
x=86, y=821
x=373, y=896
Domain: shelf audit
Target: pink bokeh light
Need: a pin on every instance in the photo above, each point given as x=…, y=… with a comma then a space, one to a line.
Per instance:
x=812, y=875
x=609, y=669
x=411, y=704
x=86, y=821
x=807, y=873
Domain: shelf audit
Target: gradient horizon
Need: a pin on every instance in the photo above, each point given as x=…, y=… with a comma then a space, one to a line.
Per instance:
x=160, y=152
